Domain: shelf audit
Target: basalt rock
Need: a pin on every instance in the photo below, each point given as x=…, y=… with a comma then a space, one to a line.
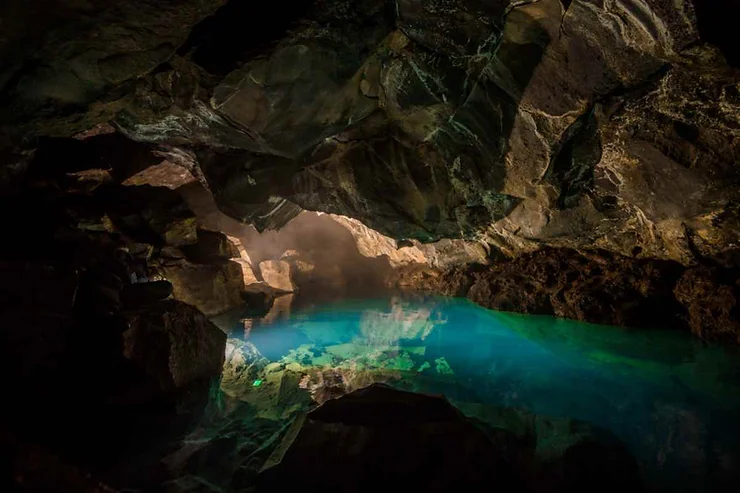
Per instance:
x=571, y=125
x=175, y=344
x=600, y=287
x=568, y=124
x=377, y=435
x=710, y=298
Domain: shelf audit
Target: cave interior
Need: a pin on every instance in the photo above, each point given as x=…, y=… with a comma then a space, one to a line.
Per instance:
x=346, y=245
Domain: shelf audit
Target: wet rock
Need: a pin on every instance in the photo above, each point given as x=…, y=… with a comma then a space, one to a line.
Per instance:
x=175, y=344
x=277, y=274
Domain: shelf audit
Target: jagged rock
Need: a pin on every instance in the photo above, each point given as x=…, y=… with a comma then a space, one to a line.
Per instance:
x=370, y=243
x=165, y=174
x=175, y=344
x=595, y=286
x=377, y=435
x=213, y=246
x=213, y=288
x=711, y=303
x=66, y=60
x=539, y=123
x=154, y=215
x=143, y=293
x=277, y=274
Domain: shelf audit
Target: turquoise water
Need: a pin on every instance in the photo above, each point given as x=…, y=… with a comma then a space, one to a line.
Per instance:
x=672, y=399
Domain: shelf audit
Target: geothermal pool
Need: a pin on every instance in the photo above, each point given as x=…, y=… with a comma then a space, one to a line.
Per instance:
x=670, y=398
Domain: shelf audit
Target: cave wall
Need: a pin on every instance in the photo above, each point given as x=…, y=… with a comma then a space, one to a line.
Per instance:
x=571, y=124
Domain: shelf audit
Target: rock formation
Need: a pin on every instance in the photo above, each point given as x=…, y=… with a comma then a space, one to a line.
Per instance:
x=581, y=125
x=378, y=436
x=575, y=158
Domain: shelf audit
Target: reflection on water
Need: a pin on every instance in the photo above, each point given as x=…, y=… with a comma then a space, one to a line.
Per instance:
x=669, y=397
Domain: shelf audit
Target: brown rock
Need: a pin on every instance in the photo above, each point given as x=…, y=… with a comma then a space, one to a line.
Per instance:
x=212, y=288
x=175, y=344
x=277, y=274
x=164, y=174
x=712, y=305
x=213, y=246
x=378, y=435
x=592, y=286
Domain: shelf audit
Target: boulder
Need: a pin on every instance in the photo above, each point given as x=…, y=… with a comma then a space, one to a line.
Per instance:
x=213, y=288
x=174, y=344
x=379, y=436
x=213, y=246
x=711, y=303
x=143, y=293
x=277, y=274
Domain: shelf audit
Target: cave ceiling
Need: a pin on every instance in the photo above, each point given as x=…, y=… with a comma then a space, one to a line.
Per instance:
x=583, y=123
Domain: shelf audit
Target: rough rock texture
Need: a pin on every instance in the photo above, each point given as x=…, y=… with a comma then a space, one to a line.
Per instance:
x=519, y=125
x=378, y=435
x=711, y=301
x=370, y=243
x=573, y=124
x=175, y=344
x=277, y=274
x=599, y=287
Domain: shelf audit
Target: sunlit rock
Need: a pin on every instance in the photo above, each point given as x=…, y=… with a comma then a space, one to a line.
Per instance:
x=165, y=174
x=371, y=243
x=277, y=274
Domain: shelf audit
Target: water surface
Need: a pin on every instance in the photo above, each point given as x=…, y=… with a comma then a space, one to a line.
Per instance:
x=672, y=399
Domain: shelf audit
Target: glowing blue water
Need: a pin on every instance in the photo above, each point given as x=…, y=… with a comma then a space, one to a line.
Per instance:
x=670, y=398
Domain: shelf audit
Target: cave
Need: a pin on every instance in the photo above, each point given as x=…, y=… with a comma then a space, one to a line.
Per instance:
x=353, y=245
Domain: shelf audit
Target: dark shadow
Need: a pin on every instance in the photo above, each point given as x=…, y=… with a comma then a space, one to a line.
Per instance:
x=241, y=30
x=718, y=26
